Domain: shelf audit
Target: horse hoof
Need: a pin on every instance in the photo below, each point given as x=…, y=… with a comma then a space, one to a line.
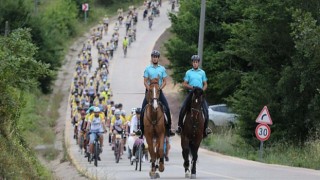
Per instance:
x=161, y=167
x=187, y=175
x=157, y=175
x=152, y=175
x=193, y=176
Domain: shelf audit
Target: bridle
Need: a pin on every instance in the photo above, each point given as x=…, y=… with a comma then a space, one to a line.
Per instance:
x=154, y=99
x=196, y=111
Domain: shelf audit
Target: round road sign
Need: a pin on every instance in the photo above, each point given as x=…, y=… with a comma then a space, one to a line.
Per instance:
x=263, y=132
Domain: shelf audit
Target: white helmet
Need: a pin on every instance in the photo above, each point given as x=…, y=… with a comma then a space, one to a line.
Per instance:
x=133, y=111
x=123, y=112
x=96, y=109
x=117, y=112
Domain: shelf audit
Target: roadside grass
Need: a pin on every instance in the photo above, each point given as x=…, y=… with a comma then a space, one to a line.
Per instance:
x=224, y=140
x=17, y=161
x=38, y=119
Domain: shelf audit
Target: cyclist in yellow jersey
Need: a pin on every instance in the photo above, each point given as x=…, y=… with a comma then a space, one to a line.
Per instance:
x=125, y=42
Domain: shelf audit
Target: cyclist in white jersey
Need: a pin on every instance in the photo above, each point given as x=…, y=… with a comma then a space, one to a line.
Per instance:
x=97, y=127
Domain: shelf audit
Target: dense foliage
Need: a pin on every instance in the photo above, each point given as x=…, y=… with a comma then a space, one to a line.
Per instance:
x=18, y=73
x=256, y=53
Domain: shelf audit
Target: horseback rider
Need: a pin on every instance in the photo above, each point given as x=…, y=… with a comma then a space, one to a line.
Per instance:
x=195, y=77
x=153, y=71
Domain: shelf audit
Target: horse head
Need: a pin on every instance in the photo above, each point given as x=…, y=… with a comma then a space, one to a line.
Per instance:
x=197, y=98
x=154, y=93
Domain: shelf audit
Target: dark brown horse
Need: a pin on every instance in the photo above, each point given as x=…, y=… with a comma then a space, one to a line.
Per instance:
x=192, y=132
x=154, y=128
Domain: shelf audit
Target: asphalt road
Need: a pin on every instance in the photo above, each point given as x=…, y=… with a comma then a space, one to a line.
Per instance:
x=127, y=84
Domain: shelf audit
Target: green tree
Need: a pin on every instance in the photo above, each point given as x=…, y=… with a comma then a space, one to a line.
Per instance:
x=18, y=73
x=256, y=53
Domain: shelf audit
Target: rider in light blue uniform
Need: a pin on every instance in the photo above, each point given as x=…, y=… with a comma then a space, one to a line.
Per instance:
x=156, y=71
x=194, y=77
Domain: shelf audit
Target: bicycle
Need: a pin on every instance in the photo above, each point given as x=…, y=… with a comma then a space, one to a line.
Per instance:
x=81, y=141
x=150, y=24
x=96, y=150
x=139, y=155
x=125, y=51
x=117, y=147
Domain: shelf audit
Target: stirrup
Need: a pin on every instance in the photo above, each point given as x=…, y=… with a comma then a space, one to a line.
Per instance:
x=208, y=131
x=178, y=130
x=171, y=133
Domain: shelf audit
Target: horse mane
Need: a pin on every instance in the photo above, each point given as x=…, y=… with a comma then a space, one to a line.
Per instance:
x=154, y=81
x=197, y=92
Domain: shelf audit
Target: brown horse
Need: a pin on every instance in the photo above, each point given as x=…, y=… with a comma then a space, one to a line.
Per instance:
x=192, y=132
x=154, y=128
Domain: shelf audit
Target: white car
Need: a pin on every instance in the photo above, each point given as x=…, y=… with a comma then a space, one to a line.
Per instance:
x=221, y=115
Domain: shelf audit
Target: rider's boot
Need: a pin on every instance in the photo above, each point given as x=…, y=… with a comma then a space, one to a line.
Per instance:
x=207, y=130
x=179, y=128
x=169, y=131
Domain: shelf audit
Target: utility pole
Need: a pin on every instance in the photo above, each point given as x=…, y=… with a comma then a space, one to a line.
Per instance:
x=201, y=31
x=6, y=30
x=36, y=7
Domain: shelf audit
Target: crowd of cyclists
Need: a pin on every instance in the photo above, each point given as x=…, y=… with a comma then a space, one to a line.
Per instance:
x=93, y=112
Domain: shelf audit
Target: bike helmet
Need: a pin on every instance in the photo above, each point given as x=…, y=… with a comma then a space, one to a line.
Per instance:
x=155, y=53
x=138, y=111
x=133, y=110
x=195, y=57
x=96, y=109
x=123, y=112
x=117, y=112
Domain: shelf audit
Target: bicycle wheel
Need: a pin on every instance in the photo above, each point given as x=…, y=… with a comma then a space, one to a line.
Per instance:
x=125, y=52
x=96, y=153
x=138, y=156
x=117, y=151
x=89, y=158
x=81, y=143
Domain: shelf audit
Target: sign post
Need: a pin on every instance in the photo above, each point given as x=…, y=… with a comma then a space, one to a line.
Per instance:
x=263, y=131
x=85, y=8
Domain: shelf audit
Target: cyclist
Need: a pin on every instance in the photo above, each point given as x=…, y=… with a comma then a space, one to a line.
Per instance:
x=106, y=23
x=194, y=77
x=153, y=71
x=97, y=127
x=150, y=19
x=117, y=126
x=82, y=124
x=125, y=44
x=134, y=123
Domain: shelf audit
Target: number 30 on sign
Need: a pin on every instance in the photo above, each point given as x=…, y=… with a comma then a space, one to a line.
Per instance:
x=263, y=132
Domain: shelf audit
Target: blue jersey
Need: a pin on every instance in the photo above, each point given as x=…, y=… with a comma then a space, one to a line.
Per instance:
x=195, y=77
x=155, y=72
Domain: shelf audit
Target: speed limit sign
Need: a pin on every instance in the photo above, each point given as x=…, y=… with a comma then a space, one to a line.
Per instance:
x=263, y=132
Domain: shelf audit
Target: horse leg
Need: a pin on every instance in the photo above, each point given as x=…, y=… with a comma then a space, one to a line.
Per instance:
x=161, y=152
x=185, y=155
x=194, y=151
x=152, y=172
